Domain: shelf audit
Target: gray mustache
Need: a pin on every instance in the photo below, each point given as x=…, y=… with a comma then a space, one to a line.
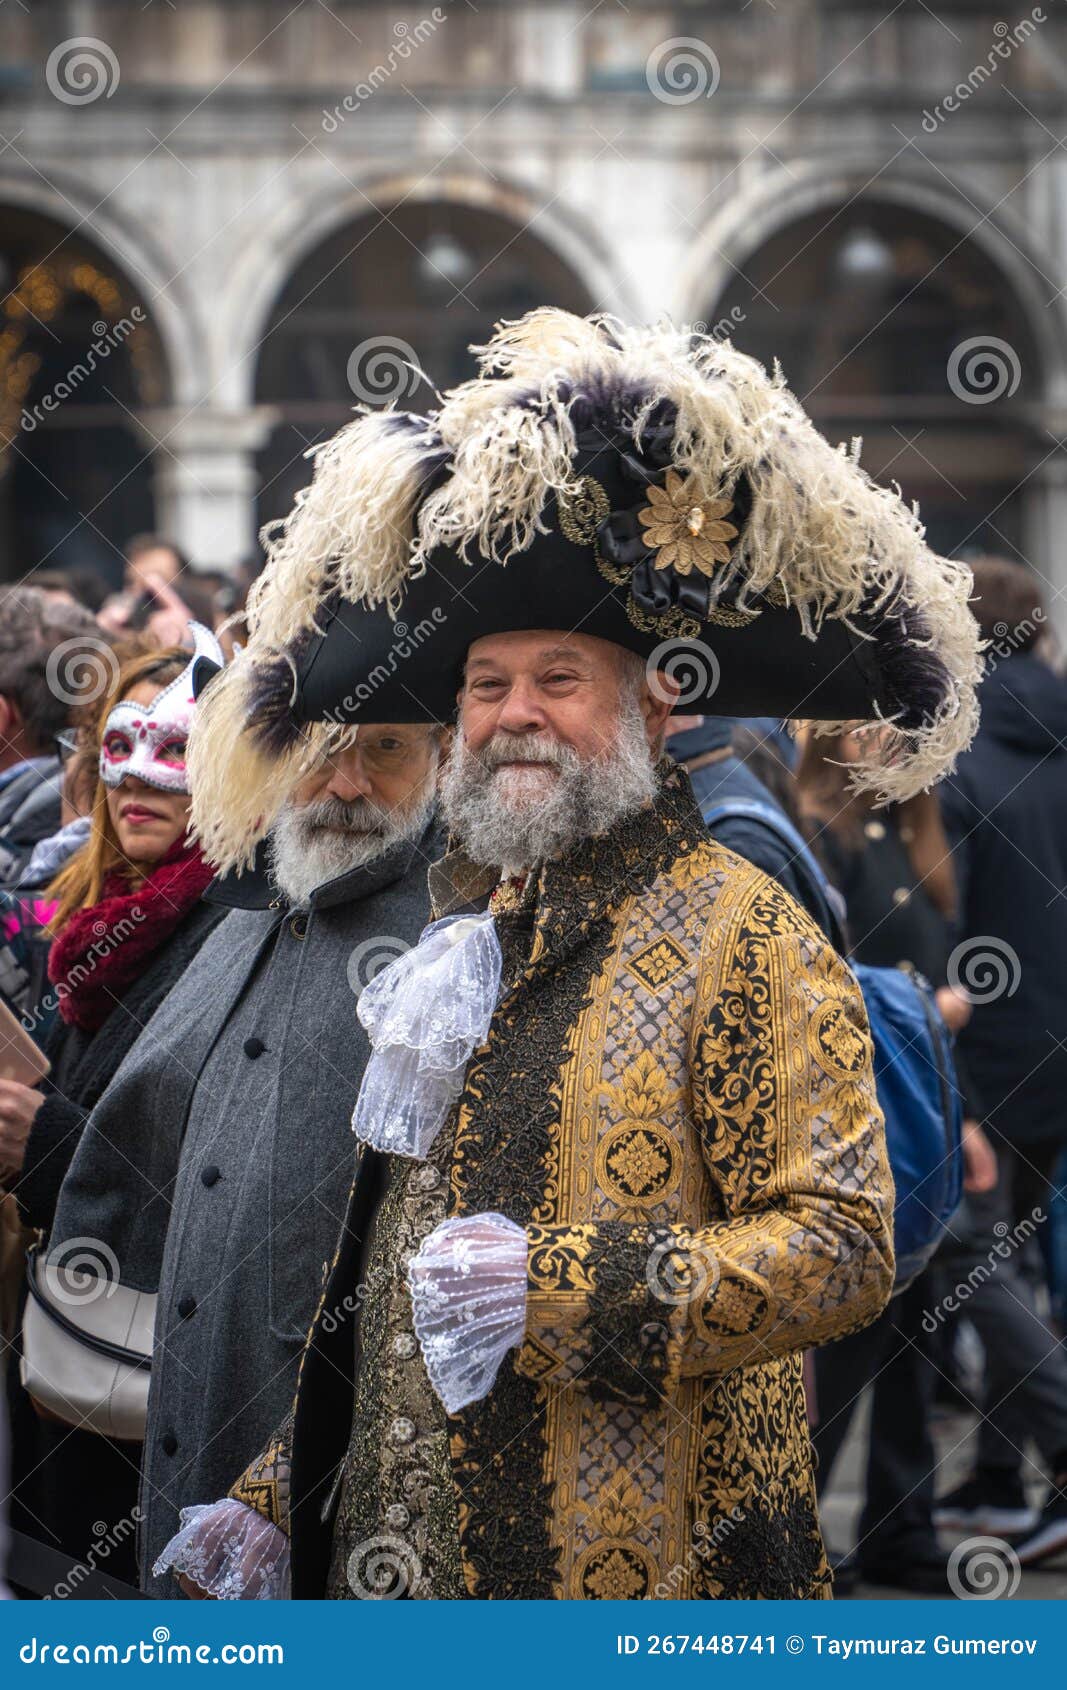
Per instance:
x=527, y=748
x=338, y=816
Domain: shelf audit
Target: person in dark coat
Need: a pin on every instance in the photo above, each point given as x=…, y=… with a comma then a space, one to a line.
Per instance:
x=1005, y=809
x=128, y=921
x=51, y=652
x=895, y=873
x=26, y=910
x=741, y=811
x=227, y=1131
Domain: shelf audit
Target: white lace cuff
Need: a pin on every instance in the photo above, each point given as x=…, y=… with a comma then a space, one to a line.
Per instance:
x=231, y=1552
x=468, y=1291
x=425, y=1013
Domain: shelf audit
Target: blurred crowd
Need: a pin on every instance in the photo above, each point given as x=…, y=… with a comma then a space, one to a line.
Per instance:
x=966, y=885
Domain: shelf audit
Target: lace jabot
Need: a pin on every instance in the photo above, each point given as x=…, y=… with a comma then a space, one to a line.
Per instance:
x=425, y=1014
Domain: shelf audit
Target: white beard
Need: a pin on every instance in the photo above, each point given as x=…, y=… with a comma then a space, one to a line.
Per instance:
x=312, y=844
x=513, y=818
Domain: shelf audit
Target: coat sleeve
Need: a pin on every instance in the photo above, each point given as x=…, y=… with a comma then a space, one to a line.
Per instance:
x=800, y=1250
x=961, y=821
x=54, y=1137
x=264, y=1484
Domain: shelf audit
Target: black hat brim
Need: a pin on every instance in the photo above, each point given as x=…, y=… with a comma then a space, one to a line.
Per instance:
x=366, y=666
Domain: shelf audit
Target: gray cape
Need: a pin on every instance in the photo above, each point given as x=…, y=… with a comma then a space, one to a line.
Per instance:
x=226, y=1136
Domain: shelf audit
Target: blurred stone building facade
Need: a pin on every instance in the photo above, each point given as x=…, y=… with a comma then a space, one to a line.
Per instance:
x=223, y=224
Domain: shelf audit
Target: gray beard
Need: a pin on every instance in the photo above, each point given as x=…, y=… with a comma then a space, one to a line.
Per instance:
x=312, y=844
x=509, y=820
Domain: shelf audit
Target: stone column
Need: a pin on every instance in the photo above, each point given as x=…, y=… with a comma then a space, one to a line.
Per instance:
x=205, y=478
x=1045, y=532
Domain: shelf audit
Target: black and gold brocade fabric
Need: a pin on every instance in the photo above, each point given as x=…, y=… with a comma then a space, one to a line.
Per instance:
x=395, y=1532
x=676, y=1100
x=264, y=1484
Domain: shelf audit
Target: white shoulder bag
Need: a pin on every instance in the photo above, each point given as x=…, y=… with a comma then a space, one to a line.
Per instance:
x=87, y=1348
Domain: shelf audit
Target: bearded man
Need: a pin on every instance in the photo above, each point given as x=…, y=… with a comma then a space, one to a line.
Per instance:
x=240, y=1092
x=620, y=1157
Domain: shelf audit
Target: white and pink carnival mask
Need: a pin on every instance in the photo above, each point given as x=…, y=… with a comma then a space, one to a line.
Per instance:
x=148, y=740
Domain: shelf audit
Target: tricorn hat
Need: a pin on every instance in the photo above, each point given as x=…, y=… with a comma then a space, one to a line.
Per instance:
x=649, y=486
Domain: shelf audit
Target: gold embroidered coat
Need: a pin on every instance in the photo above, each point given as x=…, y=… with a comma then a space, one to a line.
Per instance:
x=676, y=1099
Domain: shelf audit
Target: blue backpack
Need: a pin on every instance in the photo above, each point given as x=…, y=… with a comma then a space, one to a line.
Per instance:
x=913, y=1069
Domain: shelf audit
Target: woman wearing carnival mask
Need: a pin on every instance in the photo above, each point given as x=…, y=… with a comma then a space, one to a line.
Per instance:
x=128, y=919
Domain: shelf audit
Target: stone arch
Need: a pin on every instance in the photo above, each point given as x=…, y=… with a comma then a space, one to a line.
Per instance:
x=284, y=242
x=96, y=341
x=408, y=274
x=126, y=241
x=725, y=246
x=884, y=282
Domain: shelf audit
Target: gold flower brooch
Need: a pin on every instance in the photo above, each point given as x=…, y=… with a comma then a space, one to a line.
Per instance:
x=685, y=531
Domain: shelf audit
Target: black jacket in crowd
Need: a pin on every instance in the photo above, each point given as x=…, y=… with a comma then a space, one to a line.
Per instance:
x=1005, y=809
x=67, y=1480
x=83, y=1065
x=29, y=812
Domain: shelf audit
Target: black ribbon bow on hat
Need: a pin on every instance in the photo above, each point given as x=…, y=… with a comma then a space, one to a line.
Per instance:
x=623, y=543
x=648, y=462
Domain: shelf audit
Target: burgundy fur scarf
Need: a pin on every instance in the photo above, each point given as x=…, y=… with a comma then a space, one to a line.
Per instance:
x=103, y=949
